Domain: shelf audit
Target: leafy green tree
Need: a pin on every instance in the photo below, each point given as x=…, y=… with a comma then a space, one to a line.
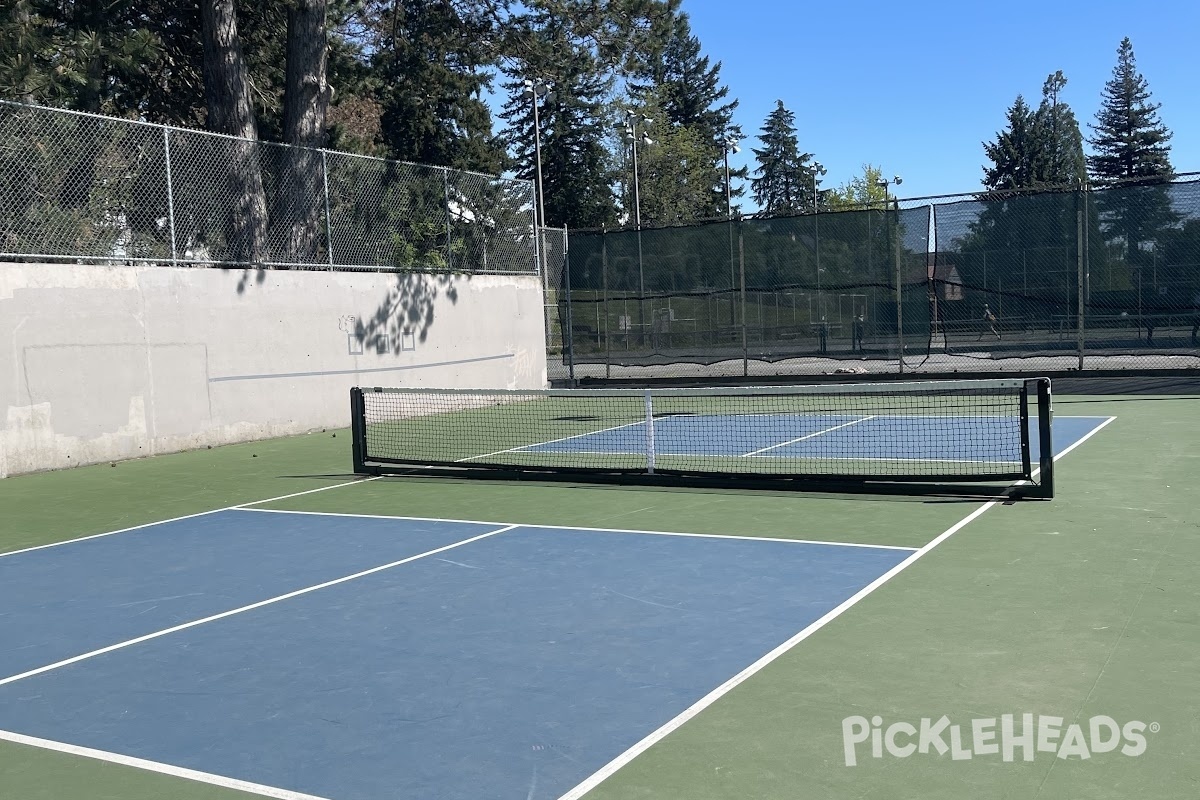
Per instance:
x=862, y=191
x=675, y=171
x=784, y=184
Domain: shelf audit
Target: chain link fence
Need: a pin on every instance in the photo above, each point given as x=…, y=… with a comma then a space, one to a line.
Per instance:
x=1047, y=281
x=80, y=187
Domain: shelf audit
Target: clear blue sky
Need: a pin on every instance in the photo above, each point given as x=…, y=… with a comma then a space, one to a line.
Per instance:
x=916, y=86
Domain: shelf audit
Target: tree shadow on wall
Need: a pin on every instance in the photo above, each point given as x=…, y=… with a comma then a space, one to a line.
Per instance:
x=259, y=274
x=407, y=311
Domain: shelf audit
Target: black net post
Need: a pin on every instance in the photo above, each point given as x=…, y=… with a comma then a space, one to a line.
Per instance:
x=1026, y=455
x=358, y=432
x=1045, y=440
x=604, y=300
x=1080, y=283
x=569, y=334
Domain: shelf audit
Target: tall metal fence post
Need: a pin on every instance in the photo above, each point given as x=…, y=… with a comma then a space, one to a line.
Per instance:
x=899, y=288
x=604, y=301
x=568, y=335
x=170, y=195
x=1080, y=246
x=732, y=287
x=328, y=216
x=742, y=283
x=449, y=234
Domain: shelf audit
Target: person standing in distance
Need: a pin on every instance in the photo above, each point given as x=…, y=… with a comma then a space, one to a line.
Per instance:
x=989, y=320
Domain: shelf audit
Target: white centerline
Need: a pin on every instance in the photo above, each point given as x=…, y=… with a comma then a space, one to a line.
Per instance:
x=155, y=766
x=809, y=436
x=526, y=447
x=260, y=604
x=582, y=528
x=649, y=741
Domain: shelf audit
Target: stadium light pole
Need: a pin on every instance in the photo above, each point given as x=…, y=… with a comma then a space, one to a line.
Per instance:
x=634, y=129
x=884, y=182
x=533, y=92
x=818, y=169
x=731, y=144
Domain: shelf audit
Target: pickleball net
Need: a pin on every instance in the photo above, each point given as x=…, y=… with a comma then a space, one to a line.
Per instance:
x=933, y=432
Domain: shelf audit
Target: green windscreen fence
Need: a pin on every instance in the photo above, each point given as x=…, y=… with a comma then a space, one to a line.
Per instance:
x=1099, y=278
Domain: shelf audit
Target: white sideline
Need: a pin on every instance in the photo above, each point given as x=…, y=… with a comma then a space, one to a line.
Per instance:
x=716, y=694
x=155, y=766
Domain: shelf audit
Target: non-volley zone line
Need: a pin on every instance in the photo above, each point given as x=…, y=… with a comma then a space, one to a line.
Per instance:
x=402, y=518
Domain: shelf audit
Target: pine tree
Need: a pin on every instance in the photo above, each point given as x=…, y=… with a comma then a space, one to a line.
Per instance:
x=1132, y=154
x=1061, y=160
x=576, y=170
x=431, y=72
x=687, y=88
x=785, y=182
x=1014, y=152
x=1037, y=148
x=1130, y=140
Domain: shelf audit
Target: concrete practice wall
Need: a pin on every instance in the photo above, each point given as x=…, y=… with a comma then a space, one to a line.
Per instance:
x=113, y=362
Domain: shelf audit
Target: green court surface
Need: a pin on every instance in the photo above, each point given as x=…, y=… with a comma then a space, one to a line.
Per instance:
x=1079, y=607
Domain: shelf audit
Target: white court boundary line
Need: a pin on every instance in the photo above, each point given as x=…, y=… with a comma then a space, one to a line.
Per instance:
x=806, y=436
x=609, y=769
x=156, y=766
x=578, y=528
x=188, y=516
x=251, y=607
x=580, y=790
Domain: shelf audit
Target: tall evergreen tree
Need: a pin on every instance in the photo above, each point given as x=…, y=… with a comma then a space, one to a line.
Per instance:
x=576, y=169
x=431, y=69
x=1015, y=151
x=785, y=179
x=1037, y=148
x=1130, y=140
x=1061, y=160
x=82, y=54
x=1132, y=155
x=687, y=88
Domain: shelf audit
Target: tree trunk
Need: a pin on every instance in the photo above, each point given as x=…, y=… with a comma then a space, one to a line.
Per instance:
x=305, y=102
x=227, y=94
